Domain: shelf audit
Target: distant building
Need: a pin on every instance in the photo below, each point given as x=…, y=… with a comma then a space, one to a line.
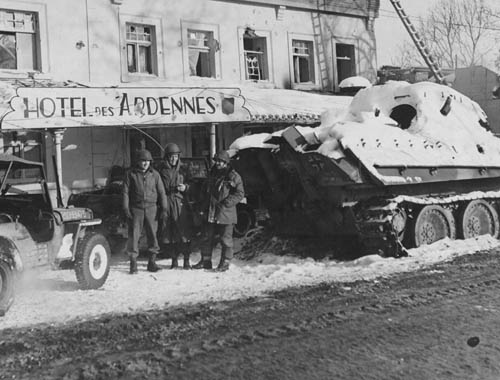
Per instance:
x=302, y=45
x=478, y=83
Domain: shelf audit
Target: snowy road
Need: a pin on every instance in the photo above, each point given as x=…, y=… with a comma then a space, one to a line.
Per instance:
x=438, y=322
x=53, y=297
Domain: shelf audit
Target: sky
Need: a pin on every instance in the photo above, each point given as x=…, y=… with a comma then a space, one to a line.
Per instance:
x=390, y=32
x=389, y=29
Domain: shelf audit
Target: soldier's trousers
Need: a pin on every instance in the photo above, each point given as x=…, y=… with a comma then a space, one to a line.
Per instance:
x=216, y=233
x=142, y=218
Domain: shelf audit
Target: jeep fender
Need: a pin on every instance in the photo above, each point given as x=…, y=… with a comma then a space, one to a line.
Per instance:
x=80, y=231
x=10, y=253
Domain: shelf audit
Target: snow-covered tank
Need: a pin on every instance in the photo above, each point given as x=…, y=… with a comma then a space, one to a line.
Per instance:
x=404, y=165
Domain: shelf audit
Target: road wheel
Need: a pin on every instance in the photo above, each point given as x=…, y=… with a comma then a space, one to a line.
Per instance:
x=92, y=261
x=433, y=223
x=246, y=221
x=477, y=218
x=7, y=283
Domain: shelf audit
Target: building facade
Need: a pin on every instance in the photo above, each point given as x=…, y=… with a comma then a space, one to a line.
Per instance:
x=304, y=45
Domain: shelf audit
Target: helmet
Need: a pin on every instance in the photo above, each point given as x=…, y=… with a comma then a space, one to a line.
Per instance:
x=172, y=148
x=223, y=155
x=143, y=155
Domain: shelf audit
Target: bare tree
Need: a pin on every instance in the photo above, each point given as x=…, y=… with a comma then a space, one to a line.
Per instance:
x=406, y=55
x=456, y=32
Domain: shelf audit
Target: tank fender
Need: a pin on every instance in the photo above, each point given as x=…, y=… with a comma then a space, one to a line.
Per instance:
x=10, y=253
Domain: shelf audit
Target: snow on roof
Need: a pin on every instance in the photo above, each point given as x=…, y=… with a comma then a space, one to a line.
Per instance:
x=373, y=128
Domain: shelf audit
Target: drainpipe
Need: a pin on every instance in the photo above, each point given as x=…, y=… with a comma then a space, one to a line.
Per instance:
x=213, y=142
x=57, y=136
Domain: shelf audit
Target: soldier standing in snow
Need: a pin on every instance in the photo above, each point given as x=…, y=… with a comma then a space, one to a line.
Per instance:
x=142, y=191
x=175, y=225
x=224, y=192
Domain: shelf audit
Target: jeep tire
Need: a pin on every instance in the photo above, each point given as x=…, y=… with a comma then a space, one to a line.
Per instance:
x=7, y=283
x=92, y=261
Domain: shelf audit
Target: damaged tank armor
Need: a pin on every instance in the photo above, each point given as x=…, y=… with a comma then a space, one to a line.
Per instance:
x=404, y=165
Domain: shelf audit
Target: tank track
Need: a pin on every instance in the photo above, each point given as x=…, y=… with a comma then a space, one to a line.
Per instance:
x=380, y=222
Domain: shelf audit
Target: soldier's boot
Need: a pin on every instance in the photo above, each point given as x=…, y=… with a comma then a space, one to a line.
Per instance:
x=173, y=253
x=224, y=260
x=133, y=266
x=175, y=262
x=186, y=252
x=187, y=264
x=204, y=263
x=223, y=265
x=152, y=266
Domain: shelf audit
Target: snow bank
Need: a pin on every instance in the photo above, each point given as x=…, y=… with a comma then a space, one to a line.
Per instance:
x=53, y=297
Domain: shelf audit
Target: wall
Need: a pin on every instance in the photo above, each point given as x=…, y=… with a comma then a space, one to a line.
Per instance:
x=478, y=83
x=82, y=42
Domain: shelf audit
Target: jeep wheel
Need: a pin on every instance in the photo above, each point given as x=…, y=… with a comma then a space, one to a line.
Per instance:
x=92, y=261
x=6, y=287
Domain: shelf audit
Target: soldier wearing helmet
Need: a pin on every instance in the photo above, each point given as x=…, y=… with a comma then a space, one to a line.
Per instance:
x=224, y=192
x=175, y=228
x=142, y=191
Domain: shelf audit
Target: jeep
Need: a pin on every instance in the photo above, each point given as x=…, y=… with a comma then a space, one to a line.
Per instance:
x=34, y=234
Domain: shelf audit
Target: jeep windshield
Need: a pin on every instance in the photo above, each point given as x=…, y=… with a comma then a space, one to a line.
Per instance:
x=19, y=176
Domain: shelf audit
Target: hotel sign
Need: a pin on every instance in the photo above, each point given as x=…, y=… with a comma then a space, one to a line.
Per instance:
x=65, y=107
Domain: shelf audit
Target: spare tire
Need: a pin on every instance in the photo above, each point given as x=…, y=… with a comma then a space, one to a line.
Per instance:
x=7, y=283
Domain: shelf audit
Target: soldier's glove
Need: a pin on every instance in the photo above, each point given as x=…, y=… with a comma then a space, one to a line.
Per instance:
x=127, y=213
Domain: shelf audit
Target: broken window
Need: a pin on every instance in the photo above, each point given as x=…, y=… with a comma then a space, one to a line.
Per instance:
x=201, y=53
x=140, y=47
x=303, y=61
x=255, y=51
x=18, y=40
x=346, y=64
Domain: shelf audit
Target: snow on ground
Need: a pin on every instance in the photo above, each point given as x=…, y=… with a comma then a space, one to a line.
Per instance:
x=53, y=296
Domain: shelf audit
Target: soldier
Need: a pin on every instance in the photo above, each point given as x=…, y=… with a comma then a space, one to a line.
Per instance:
x=224, y=192
x=175, y=226
x=142, y=191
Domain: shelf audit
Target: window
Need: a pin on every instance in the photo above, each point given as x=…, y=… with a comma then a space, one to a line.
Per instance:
x=141, y=48
x=201, y=53
x=346, y=65
x=303, y=61
x=18, y=40
x=255, y=54
x=140, y=40
x=200, y=141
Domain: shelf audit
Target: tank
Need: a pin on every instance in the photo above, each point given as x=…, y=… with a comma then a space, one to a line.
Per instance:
x=402, y=166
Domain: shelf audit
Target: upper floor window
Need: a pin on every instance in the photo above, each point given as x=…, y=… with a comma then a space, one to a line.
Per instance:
x=140, y=41
x=18, y=40
x=255, y=54
x=303, y=61
x=201, y=53
x=141, y=48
